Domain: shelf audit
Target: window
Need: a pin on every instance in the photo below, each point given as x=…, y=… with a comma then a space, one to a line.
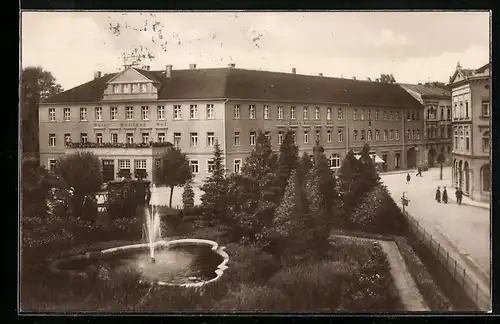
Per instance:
x=340, y=113
x=124, y=165
x=52, y=164
x=377, y=135
x=267, y=115
x=237, y=165
x=143, y=87
x=52, y=114
x=396, y=135
x=407, y=134
x=145, y=113
x=280, y=112
x=236, y=111
x=280, y=138
x=340, y=135
x=83, y=114
x=466, y=109
x=194, y=139
x=408, y=116
x=52, y=140
x=306, y=137
x=161, y=137
x=369, y=135
x=98, y=113
x=318, y=136
x=455, y=111
x=369, y=117
x=412, y=115
x=448, y=114
x=252, y=138
x=328, y=113
x=83, y=138
x=441, y=131
x=140, y=164
x=413, y=134
x=210, y=166
x=355, y=135
x=305, y=113
x=355, y=114
x=363, y=135
x=486, y=142
x=267, y=135
x=317, y=114
x=486, y=177
x=114, y=138
x=467, y=140
x=385, y=115
x=329, y=136
x=194, y=166
x=210, y=111
x=67, y=138
x=113, y=113
x=126, y=88
x=390, y=114
x=98, y=138
x=145, y=137
x=397, y=115
x=193, y=112
x=294, y=137
x=130, y=138
x=362, y=115
x=116, y=88
x=334, y=161
x=177, y=139
x=67, y=114
x=377, y=114
x=442, y=114
x=292, y=113
x=177, y=112
x=456, y=140
x=237, y=139
x=386, y=135
x=129, y=113
x=485, y=109
x=418, y=134
x=160, y=112
x=251, y=111
x=210, y=139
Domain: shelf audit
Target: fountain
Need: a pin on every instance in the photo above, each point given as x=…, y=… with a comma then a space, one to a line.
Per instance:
x=182, y=262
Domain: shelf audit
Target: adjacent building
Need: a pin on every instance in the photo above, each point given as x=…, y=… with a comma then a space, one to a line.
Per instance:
x=437, y=120
x=193, y=108
x=471, y=168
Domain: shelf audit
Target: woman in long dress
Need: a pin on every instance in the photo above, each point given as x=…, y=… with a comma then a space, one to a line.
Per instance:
x=438, y=195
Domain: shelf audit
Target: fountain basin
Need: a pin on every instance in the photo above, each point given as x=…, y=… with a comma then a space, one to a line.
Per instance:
x=183, y=262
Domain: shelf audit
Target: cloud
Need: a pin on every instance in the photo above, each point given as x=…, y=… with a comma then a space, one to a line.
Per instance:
x=387, y=37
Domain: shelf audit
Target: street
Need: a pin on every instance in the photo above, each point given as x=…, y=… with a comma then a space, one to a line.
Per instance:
x=464, y=229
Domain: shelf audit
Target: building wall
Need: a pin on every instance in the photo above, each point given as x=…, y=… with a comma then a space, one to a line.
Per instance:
x=438, y=129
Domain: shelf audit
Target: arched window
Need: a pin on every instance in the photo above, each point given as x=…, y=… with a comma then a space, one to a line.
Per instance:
x=334, y=161
x=485, y=178
x=461, y=140
x=456, y=140
x=486, y=141
x=467, y=140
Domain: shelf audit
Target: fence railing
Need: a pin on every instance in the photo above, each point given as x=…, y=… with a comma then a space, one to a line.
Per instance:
x=459, y=274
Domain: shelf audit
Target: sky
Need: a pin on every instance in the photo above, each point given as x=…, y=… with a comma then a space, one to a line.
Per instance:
x=413, y=46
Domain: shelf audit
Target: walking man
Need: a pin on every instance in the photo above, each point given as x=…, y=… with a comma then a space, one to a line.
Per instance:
x=419, y=171
x=408, y=178
x=459, y=194
x=445, y=195
x=438, y=195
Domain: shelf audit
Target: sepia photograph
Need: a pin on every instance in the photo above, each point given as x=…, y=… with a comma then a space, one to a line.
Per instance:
x=255, y=161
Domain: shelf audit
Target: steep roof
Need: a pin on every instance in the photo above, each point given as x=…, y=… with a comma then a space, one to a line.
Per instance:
x=235, y=83
x=426, y=91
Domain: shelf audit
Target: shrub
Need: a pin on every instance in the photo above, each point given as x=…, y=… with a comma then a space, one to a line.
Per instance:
x=255, y=298
x=248, y=264
x=314, y=287
x=432, y=293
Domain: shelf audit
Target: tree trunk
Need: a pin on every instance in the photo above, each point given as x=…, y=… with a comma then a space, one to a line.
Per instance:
x=171, y=194
x=441, y=172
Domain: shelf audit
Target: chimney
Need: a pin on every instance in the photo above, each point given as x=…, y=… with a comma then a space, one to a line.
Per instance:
x=192, y=66
x=145, y=67
x=354, y=78
x=321, y=74
x=231, y=65
x=97, y=74
x=294, y=70
x=168, y=71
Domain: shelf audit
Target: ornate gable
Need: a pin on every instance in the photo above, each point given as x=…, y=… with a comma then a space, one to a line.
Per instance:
x=130, y=84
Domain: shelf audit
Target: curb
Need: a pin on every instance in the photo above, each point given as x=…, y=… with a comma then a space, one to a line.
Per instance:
x=469, y=204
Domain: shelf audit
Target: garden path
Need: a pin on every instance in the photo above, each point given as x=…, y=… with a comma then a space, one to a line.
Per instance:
x=407, y=289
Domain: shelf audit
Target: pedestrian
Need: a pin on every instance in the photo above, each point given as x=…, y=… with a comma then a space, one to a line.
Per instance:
x=408, y=178
x=459, y=196
x=438, y=195
x=445, y=195
x=419, y=173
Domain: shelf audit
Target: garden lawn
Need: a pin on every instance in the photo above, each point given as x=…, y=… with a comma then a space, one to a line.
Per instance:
x=354, y=276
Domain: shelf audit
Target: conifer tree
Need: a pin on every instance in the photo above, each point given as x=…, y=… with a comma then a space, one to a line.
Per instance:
x=214, y=197
x=369, y=177
x=327, y=182
x=305, y=165
x=288, y=161
x=188, y=195
x=349, y=175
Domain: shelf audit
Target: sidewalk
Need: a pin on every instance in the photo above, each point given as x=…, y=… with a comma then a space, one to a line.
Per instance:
x=469, y=202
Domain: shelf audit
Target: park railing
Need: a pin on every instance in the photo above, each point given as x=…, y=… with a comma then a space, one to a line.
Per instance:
x=464, y=290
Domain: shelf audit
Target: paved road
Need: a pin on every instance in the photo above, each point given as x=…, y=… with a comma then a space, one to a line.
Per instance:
x=465, y=228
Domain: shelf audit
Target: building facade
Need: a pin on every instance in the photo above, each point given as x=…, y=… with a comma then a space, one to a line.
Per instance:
x=437, y=120
x=471, y=168
x=193, y=108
